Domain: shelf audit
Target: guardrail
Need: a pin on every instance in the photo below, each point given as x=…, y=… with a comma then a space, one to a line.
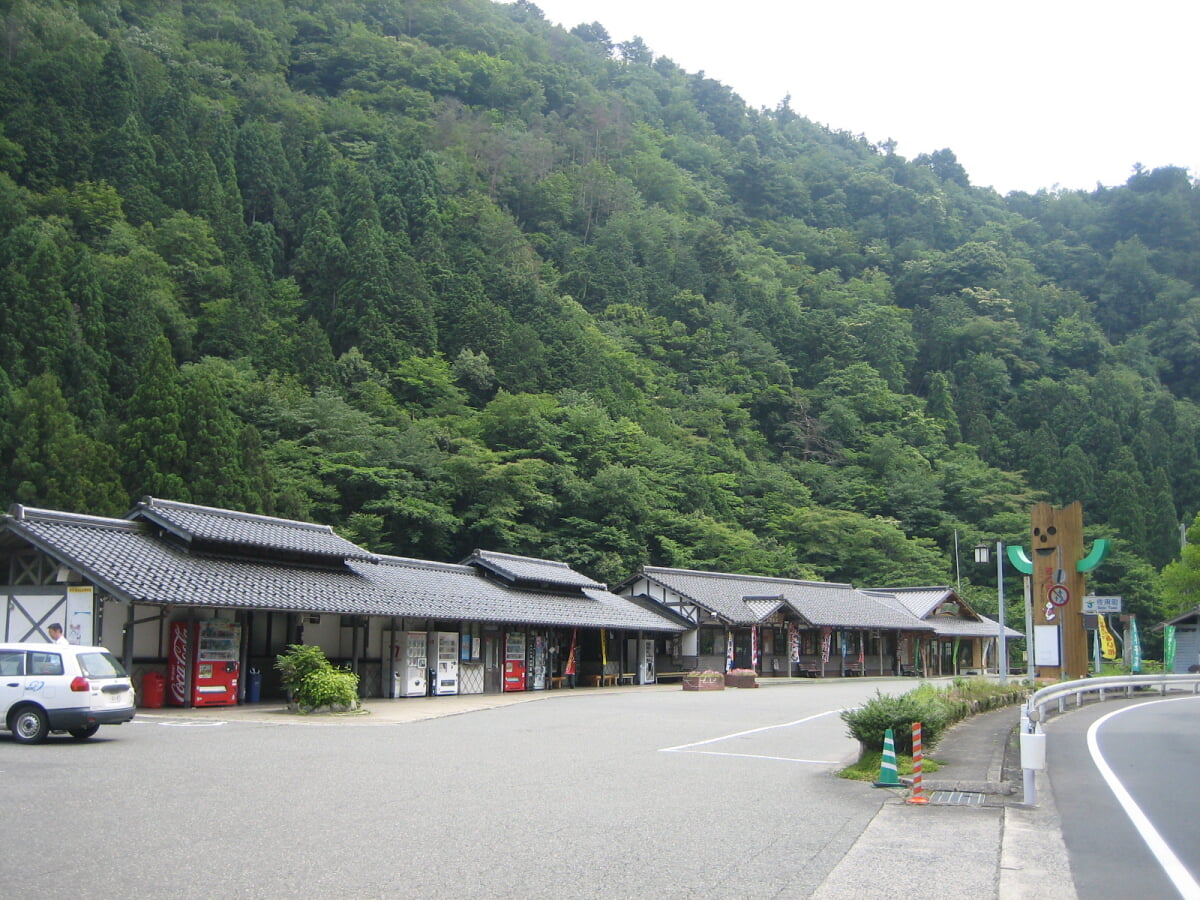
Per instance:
x=1033, y=739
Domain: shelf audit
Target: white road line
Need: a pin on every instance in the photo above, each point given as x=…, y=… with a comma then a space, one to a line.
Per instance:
x=791, y=759
x=727, y=737
x=1176, y=870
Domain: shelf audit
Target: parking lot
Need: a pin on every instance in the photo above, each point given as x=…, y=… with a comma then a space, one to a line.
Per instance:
x=629, y=793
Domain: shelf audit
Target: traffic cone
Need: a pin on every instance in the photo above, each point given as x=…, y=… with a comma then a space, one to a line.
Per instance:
x=888, y=776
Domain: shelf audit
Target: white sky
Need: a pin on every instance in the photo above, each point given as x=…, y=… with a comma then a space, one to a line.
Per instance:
x=1028, y=94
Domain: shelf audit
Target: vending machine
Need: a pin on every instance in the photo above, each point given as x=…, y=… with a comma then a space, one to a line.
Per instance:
x=514, y=661
x=446, y=673
x=214, y=649
x=412, y=665
x=645, y=673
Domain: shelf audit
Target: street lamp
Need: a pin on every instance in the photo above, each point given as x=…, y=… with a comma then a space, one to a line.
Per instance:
x=981, y=556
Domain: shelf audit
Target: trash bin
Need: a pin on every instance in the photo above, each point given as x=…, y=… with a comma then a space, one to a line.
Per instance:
x=154, y=690
x=253, y=686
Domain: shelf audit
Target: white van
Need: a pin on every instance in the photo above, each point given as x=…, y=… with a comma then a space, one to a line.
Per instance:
x=61, y=688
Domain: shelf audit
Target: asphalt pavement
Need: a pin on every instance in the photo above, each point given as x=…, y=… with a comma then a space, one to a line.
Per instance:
x=974, y=838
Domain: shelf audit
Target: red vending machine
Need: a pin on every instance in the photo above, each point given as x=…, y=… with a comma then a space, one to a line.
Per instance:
x=514, y=661
x=214, y=651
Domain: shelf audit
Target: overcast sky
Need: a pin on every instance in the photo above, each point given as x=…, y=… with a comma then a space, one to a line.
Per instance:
x=1028, y=94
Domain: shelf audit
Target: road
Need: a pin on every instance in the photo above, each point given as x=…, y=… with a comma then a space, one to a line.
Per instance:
x=628, y=794
x=1144, y=842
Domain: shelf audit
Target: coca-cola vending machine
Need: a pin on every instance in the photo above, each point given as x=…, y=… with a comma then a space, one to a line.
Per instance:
x=514, y=661
x=213, y=648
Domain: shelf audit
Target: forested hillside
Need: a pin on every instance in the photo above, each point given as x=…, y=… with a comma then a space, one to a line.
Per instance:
x=446, y=276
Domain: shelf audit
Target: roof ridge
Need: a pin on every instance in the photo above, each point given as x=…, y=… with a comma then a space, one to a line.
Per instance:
x=158, y=503
x=21, y=513
x=777, y=579
x=496, y=554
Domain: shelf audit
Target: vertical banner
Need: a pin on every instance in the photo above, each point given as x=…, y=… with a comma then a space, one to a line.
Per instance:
x=1108, y=644
x=862, y=648
x=826, y=641
x=754, y=657
x=1135, y=653
x=1169, y=649
x=794, y=640
x=728, y=650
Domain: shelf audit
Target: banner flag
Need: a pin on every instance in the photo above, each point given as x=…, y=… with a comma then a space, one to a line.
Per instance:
x=1169, y=649
x=826, y=641
x=794, y=640
x=728, y=650
x=754, y=647
x=1108, y=644
x=1135, y=652
x=861, y=648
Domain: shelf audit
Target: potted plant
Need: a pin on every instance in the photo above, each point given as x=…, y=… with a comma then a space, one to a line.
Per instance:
x=708, y=680
x=741, y=678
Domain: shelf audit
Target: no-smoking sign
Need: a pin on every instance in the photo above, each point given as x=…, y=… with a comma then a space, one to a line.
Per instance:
x=1058, y=594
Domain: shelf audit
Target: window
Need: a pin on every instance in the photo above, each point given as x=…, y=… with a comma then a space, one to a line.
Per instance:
x=712, y=642
x=43, y=663
x=100, y=665
x=12, y=662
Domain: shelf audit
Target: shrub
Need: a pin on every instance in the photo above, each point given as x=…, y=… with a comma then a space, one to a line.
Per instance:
x=868, y=723
x=936, y=708
x=311, y=680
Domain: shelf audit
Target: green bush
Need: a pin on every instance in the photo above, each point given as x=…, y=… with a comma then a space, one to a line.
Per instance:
x=311, y=680
x=936, y=708
x=329, y=687
x=868, y=723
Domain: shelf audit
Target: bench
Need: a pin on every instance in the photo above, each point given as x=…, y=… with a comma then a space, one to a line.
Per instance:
x=808, y=671
x=556, y=681
x=626, y=678
x=852, y=669
x=663, y=675
x=907, y=670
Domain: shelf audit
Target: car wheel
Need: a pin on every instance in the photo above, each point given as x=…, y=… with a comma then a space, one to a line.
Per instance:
x=82, y=734
x=30, y=725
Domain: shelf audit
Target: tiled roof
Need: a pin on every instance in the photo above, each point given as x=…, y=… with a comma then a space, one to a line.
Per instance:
x=920, y=601
x=841, y=606
x=124, y=558
x=530, y=570
x=924, y=601
x=440, y=590
x=246, y=530
x=742, y=599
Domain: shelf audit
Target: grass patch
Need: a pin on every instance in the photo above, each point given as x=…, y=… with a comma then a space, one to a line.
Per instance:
x=867, y=768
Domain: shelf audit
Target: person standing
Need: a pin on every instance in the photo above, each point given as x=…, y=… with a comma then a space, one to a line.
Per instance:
x=56, y=634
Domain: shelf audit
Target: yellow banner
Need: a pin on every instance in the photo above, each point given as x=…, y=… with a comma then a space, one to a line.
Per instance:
x=1108, y=644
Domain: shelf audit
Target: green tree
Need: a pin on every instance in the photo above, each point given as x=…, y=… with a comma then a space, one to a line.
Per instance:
x=150, y=439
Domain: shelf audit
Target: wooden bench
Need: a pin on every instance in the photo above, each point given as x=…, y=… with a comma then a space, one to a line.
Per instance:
x=907, y=670
x=626, y=678
x=556, y=681
x=592, y=680
x=808, y=671
x=664, y=675
x=852, y=669
x=609, y=680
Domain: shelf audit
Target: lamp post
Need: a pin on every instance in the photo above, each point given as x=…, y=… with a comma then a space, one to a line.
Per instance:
x=981, y=556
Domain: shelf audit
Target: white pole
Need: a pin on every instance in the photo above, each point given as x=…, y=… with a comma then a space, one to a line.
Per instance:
x=1003, y=647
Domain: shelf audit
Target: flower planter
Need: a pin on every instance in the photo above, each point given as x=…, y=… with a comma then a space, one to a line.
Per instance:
x=705, y=682
x=741, y=681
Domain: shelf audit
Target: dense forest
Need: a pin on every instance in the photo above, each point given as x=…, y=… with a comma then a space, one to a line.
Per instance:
x=446, y=276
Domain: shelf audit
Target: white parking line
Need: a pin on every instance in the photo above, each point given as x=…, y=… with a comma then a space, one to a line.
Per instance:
x=687, y=748
x=1176, y=870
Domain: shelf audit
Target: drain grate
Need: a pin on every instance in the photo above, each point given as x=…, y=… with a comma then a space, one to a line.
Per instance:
x=955, y=798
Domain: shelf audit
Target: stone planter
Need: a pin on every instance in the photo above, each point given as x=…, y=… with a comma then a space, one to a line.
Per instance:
x=714, y=682
x=741, y=681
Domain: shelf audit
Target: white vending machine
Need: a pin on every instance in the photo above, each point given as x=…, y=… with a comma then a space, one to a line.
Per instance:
x=446, y=673
x=645, y=671
x=412, y=665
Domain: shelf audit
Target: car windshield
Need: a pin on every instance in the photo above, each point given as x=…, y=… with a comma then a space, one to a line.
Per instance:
x=101, y=665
